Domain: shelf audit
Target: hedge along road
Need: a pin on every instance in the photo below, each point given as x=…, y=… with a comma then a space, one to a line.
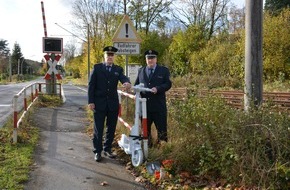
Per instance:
x=64, y=158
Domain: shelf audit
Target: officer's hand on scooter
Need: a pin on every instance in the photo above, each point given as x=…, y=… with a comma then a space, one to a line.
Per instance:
x=154, y=90
x=127, y=85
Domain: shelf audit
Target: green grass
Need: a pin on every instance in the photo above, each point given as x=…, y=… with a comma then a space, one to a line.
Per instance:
x=16, y=158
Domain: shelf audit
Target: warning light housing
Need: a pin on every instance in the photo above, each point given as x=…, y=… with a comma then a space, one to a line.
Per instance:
x=52, y=45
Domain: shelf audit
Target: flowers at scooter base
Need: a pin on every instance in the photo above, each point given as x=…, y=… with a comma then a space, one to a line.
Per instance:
x=166, y=170
x=168, y=164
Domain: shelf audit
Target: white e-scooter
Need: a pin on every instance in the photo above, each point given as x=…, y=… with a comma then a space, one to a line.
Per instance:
x=133, y=144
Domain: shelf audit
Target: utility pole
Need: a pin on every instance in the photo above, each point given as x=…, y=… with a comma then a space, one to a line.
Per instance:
x=89, y=52
x=21, y=66
x=18, y=68
x=253, y=95
x=10, y=69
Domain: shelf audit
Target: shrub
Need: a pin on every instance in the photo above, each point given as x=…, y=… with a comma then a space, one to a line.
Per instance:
x=214, y=141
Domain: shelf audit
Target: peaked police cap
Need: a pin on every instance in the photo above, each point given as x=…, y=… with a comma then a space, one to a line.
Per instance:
x=110, y=49
x=151, y=53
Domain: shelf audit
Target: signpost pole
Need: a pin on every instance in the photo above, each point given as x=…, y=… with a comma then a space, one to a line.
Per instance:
x=127, y=102
x=53, y=83
x=126, y=65
x=127, y=40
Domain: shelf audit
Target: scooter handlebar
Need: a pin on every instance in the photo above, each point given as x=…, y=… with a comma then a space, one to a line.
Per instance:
x=141, y=88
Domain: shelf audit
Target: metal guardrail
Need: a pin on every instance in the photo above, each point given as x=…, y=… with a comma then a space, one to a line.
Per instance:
x=35, y=89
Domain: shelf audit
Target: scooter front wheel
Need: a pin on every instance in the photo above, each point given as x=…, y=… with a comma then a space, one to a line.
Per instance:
x=137, y=157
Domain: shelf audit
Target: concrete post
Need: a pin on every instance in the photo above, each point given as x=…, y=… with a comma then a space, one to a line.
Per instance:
x=253, y=54
x=18, y=67
x=10, y=69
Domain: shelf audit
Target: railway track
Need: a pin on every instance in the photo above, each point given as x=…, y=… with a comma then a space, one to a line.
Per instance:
x=235, y=98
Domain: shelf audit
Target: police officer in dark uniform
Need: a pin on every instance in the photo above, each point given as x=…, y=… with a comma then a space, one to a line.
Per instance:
x=103, y=100
x=157, y=78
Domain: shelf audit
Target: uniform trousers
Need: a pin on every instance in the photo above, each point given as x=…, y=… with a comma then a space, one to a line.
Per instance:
x=160, y=121
x=111, y=118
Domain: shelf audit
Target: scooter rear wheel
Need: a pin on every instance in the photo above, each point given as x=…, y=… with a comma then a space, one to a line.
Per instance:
x=137, y=157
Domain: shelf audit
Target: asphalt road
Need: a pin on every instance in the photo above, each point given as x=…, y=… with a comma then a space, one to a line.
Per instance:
x=64, y=158
x=7, y=93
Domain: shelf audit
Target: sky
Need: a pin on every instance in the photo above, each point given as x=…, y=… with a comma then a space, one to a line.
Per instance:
x=21, y=22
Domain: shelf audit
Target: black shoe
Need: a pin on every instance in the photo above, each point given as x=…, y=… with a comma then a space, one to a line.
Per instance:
x=98, y=157
x=110, y=154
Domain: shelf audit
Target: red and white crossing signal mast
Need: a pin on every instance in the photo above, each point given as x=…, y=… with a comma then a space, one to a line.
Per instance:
x=52, y=47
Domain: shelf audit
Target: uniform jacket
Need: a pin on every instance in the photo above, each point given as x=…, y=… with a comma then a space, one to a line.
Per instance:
x=161, y=80
x=102, y=89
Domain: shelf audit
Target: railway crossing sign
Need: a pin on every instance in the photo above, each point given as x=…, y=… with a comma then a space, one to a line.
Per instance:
x=52, y=67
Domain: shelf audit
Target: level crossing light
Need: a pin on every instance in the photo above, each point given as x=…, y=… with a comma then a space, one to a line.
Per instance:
x=86, y=41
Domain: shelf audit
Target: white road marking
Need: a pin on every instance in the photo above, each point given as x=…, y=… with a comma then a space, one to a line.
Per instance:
x=81, y=89
x=5, y=105
x=63, y=94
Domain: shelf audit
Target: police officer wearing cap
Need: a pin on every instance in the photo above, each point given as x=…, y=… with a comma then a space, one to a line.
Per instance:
x=157, y=78
x=103, y=100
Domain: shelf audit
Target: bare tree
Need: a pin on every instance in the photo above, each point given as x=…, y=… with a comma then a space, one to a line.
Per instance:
x=149, y=13
x=208, y=14
x=236, y=20
x=136, y=11
x=69, y=52
x=101, y=17
x=217, y=15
